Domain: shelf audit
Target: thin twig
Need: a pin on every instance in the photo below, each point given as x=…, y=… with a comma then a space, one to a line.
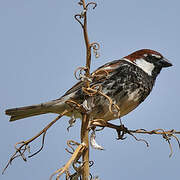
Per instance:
x=24, y=144
x=78, y=17
x=156, y=131
x=71, y=143
x=122, y=130
x=91, y=3
x=43, y=139
x=78, y=152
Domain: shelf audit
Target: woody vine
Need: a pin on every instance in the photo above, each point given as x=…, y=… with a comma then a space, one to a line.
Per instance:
x=79, y=159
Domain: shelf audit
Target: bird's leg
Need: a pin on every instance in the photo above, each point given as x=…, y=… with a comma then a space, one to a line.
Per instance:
x=121, y=129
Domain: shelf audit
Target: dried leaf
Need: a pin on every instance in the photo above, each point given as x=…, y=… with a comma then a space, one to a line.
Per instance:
x=93, y=142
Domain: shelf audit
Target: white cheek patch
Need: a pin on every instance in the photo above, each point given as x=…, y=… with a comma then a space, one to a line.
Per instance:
x=145, y=66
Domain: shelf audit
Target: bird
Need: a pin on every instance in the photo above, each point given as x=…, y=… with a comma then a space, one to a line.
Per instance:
x=127, y=81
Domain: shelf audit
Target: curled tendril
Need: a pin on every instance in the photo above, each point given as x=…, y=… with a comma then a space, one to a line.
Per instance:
x=95, y=47
x=77, y=173
x=70, y=144
x=176, y=140
x=91, y=163
x=71, y=122
x=113, y=107
x=97, y=122
x=78, y=18
x=99, y=72
x=82, y=74
x=91, y=91
x=73, y=104
x=165, y=134
x=97, y=87
x=91, y=3
x=168, y=139
x=76, y=106
x=80, y=3
x=143, y=140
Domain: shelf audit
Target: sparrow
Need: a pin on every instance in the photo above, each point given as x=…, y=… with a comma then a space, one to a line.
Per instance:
x=127, y=81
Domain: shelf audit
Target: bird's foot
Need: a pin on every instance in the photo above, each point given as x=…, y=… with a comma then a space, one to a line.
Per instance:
x=121, y=129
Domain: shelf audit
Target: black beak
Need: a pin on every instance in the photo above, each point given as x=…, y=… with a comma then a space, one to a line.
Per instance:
x=165, y=63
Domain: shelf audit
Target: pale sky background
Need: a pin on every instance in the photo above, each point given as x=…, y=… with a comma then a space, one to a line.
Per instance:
x=40, y=47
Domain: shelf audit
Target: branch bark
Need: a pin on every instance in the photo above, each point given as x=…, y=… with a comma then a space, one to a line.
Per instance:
x=85, y=116
x=86, y=38
x=85, y=140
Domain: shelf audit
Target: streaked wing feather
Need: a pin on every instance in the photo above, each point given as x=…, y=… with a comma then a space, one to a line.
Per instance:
x=76, y=87
x=99, y=74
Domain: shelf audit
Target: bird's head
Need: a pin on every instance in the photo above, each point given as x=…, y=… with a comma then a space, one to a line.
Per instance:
x=149, y=61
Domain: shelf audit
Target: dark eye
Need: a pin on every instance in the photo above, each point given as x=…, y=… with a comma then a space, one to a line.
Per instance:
x=153, y=58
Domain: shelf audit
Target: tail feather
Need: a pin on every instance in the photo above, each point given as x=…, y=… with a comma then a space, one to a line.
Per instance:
x=34, y=110
x=24, y=112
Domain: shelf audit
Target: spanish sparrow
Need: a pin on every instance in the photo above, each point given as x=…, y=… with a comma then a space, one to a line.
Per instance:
x=127, y=82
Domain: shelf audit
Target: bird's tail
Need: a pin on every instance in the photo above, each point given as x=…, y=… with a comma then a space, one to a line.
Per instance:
x=34, y=110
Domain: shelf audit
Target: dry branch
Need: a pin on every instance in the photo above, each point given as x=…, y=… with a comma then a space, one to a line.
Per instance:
x=85, y=116
x=75, y=156
x=122, y=130
x=24, y=145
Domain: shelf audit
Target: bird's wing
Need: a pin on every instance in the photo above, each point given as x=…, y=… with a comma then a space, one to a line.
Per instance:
x=76, y=87
x=98, y=75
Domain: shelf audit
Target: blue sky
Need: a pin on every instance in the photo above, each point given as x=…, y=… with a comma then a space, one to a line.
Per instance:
x=40, y=47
